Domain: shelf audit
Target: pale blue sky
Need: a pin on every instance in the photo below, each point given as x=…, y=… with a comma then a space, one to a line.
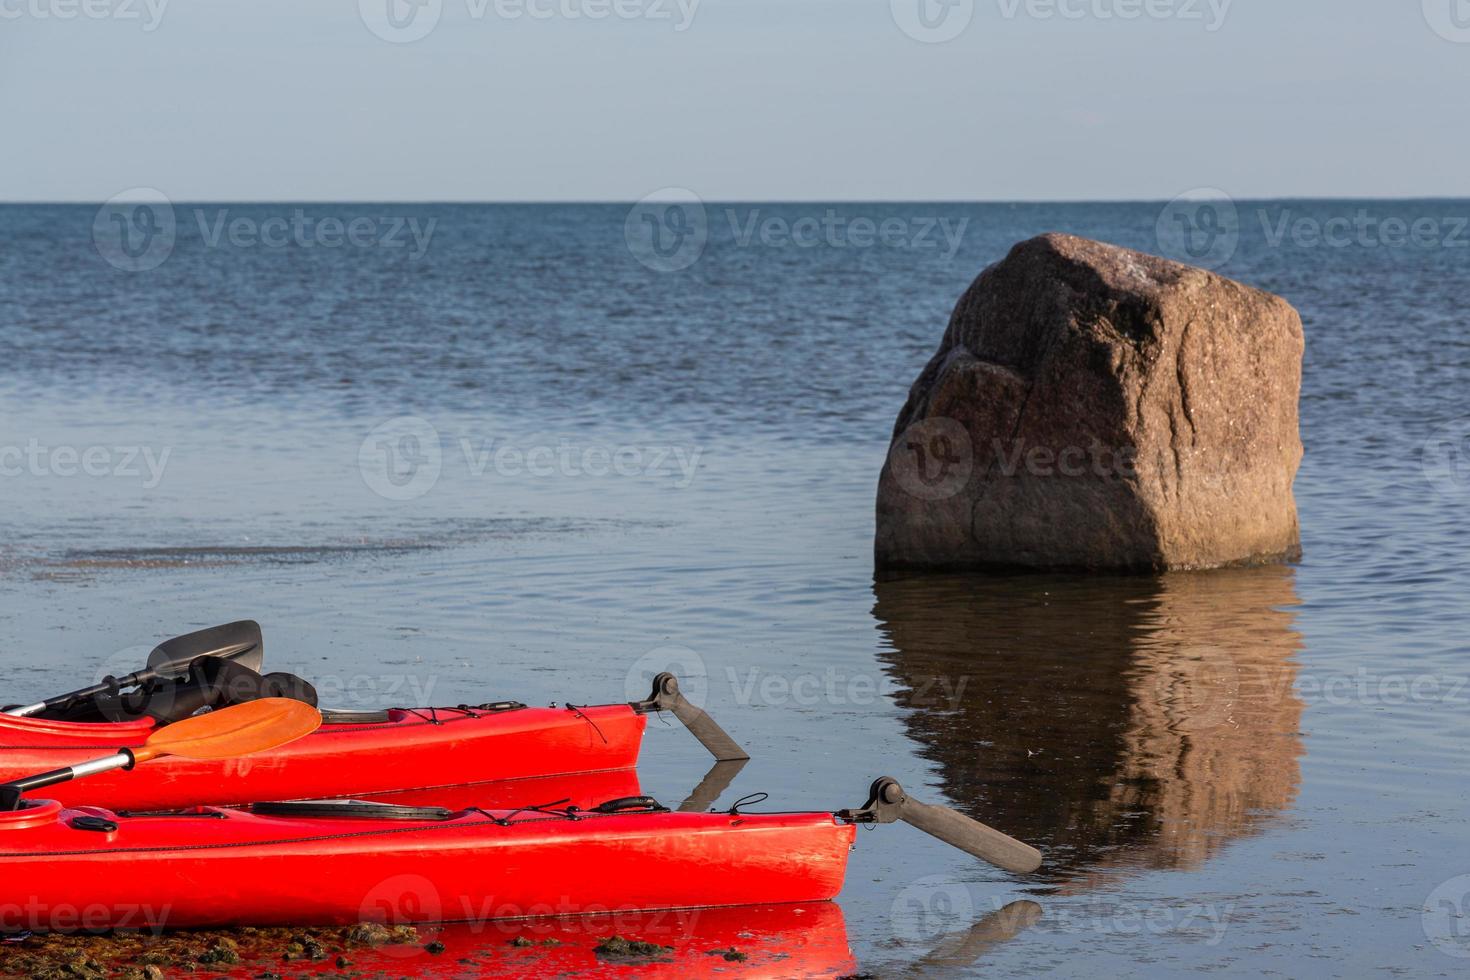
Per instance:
x=755, y=99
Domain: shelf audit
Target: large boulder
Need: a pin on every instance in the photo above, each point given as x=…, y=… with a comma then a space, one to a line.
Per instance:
x=1092, y=407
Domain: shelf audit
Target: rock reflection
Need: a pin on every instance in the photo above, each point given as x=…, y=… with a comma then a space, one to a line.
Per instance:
x=1115, y=723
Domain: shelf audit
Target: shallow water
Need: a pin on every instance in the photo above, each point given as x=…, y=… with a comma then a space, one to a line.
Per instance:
x=1253, y=771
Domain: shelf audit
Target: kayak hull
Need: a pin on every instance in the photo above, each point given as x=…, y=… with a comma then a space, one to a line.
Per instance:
x=212, y=867
x=419, y=749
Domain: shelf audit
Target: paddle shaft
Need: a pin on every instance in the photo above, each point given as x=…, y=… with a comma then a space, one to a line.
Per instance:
x=11, y=792
x=238, y=730
x=109, y=685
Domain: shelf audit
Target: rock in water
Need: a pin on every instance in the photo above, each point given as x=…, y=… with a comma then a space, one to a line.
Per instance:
x=1092, y=407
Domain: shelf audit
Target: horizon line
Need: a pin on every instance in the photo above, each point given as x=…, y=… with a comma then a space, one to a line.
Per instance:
x=591, y=202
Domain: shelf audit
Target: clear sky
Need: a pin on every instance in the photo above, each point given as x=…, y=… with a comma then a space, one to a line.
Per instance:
x=505, y=100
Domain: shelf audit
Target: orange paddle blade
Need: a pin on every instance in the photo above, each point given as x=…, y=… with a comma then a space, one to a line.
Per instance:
x=240, y=730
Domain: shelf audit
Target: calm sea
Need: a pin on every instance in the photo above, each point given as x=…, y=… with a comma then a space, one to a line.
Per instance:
x=463, y=453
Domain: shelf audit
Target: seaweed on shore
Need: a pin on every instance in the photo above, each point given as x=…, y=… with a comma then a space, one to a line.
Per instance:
x=145, y=956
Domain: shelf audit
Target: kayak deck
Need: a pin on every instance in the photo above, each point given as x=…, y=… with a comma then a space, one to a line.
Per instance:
x=413, y=749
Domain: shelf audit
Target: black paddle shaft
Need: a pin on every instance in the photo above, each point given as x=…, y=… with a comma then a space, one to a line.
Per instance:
x=11, y=792
x=239, y=642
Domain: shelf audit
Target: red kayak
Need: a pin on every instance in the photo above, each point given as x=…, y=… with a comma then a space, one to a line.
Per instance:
x=296, y=864
x=353, y=754
x=344, y=862
x=411, y=749
x=361, y=754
